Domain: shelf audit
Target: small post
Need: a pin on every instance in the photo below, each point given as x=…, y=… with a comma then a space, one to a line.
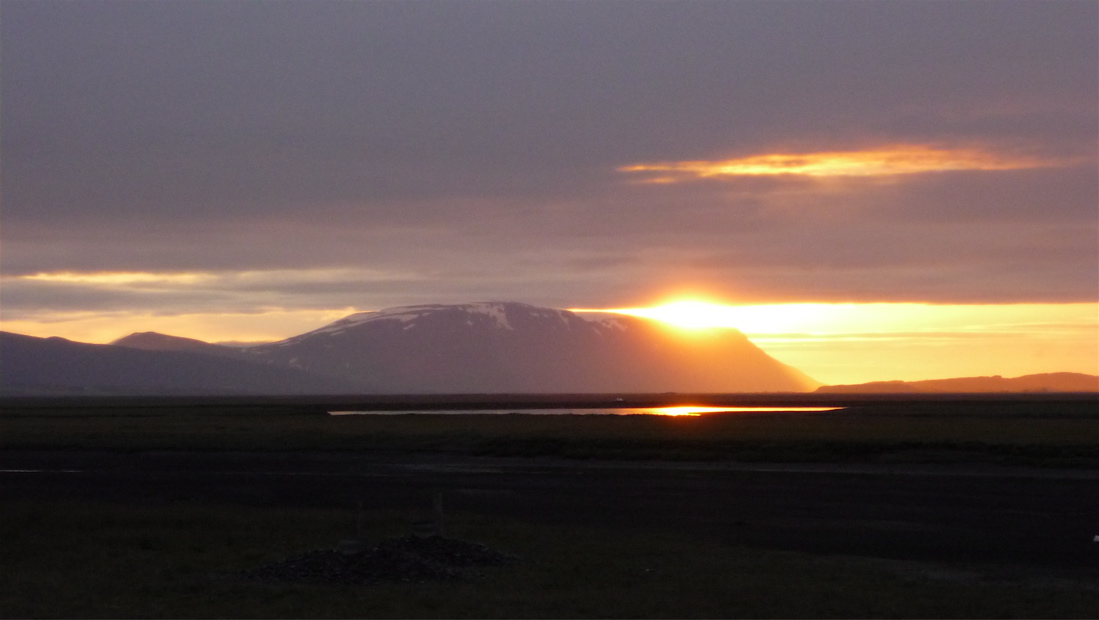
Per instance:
x=356, y=545
x=359, y=520
x=439, y=511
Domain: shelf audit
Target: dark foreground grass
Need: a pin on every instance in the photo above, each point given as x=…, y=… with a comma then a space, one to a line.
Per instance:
x=1046, y=434
x=94, y=560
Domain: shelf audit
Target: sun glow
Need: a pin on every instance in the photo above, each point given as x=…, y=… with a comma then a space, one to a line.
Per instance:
x=833, y=343
x=104, y=327
x=858, y=342
x=689, y=314
x=683, y=411
x=771, y=318
x=694, y=410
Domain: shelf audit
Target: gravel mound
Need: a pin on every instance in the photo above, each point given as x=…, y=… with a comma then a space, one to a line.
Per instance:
x=406, y=559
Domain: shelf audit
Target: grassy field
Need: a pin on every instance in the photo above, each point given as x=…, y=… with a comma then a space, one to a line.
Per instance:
x=1059, y=434
x=184, y=558
x=70, y=559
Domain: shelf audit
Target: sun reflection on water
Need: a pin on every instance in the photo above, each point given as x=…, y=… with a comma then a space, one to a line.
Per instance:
x=691, y=410
x=675, y=410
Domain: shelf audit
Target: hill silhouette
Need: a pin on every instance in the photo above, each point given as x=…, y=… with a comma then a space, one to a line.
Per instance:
x=507, y=347
x=492, y=347
x=58, y=366
x=1045, y=382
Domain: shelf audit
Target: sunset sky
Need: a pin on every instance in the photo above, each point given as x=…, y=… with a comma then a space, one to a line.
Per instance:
x=880, y=189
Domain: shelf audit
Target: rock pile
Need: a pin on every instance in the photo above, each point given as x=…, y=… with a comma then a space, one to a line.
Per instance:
x=405, y=559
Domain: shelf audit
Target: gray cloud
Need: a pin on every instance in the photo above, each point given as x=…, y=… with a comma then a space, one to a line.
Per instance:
x=473, y=148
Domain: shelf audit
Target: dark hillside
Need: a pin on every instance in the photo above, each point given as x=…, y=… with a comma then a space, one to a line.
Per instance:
x=1045, y=382
x=505, y=347
x=30, y=365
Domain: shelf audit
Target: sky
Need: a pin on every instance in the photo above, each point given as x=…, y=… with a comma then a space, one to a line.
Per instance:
x=914, y=184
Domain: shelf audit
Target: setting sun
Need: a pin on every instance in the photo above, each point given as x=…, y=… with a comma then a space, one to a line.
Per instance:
x=855, y=342
x=689, y=314
x=770, y=318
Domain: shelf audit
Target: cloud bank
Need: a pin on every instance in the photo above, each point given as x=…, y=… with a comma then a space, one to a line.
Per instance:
x=297, y=155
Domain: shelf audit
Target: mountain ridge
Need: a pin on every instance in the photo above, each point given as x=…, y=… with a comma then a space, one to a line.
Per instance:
x=501, y=346
x=1039, y=382
x=156, y=341
x=483, y=347
x=56, y=366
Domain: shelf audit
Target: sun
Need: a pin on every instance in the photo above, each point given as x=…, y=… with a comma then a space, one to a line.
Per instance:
x=695, y=314
x=689, y=314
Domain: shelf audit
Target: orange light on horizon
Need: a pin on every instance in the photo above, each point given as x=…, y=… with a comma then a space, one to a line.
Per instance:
x=687, y=314
x=835, y=343
x=769, y=318
x=100, y=328
x=690, y=411
x=857, y=342
x=695, y=411
x=883, y=161
x=681, y=411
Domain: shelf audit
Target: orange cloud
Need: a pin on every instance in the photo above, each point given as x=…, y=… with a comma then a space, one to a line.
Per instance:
x=885, y=161
x=117, y=278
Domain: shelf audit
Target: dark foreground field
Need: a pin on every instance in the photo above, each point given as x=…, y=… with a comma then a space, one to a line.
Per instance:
x=896, y=508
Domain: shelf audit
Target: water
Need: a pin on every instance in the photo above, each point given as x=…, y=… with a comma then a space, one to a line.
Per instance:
x=662, y=411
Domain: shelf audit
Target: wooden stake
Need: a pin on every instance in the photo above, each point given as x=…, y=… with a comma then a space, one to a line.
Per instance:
x=439, y=511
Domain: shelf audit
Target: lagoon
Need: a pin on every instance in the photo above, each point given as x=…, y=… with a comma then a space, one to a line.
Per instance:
x=690, y=411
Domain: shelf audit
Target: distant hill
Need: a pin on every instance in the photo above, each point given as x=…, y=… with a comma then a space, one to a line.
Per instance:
x=492, y=347
x=507, y=347
x=153, y=341
x=1047, y=382
x=55, y=366
x=495, y=347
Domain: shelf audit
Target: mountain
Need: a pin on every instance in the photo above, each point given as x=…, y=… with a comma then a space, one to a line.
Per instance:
x=506, y=347
x=35, y=366
x=496, y=347
x=153, y=341
x=1047, y=382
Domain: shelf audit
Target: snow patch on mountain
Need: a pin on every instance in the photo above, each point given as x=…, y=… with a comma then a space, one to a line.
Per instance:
x=332, y=329
x=604, y=319
x=498, y=347
x=494, y=310
x=403, y=315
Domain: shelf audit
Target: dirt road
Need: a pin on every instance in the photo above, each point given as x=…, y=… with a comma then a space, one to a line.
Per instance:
x=960, y=513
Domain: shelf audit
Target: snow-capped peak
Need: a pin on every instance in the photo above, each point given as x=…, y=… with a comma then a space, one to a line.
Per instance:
x=605, y=319
x=339, y=326
x=494, y=310
x=497, y=346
